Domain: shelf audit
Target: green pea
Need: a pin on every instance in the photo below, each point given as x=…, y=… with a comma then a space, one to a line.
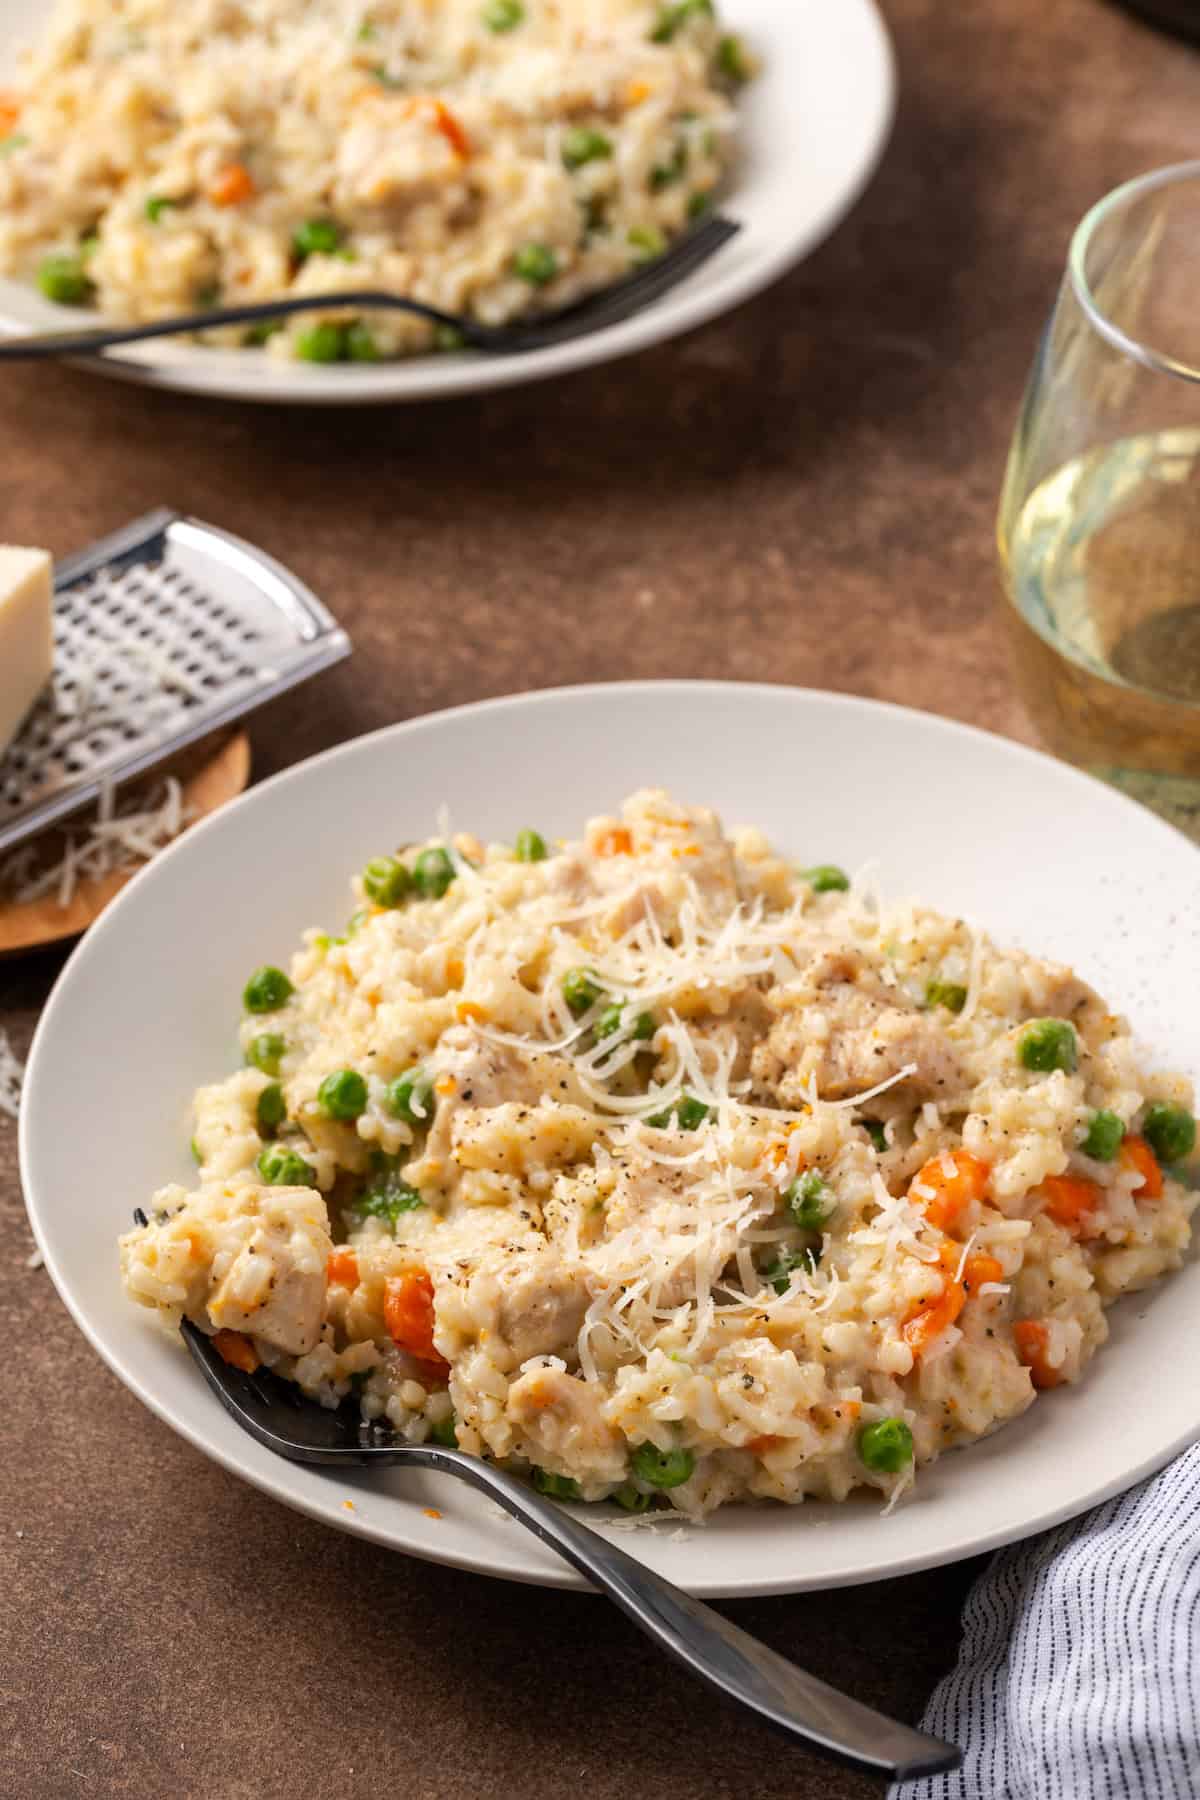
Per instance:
x=360, y=345
x=256, y=335
x=810, y=1200
x=1170, y=1131
x=530, y=847
x=876, y=1133
x=343, y=1095
x=535, y=263
x=448, y=338
x=646, y=242
x=1103, y=1137
x=662, y=1468
x=950, y=994
x=631, y=1499
x=445, y=1433
x=691, y=1113
x=267, y=990
x=386, y=881
x=699, y=204
x=284, y=1168
x=208, y=293
x=732, y=61
x=666, y=174
x=609, y=1022
x=780, y=1272
x=270, y=1110
x=316, y=237
x=555, y=1487
x=582, y=144
x=886, y=1446
x=194, y=1147
x=64, y=279
x=672, y=18
x=826, y=878
x=1049, y=1044
x=643, y=1028
x=322, y=343
x=386, y=1194
x=157, y=205
x=265, y=1051
x=581, y=990
x=410, y=1097
x=365, y=32
x=503, y=15
x=433, y=872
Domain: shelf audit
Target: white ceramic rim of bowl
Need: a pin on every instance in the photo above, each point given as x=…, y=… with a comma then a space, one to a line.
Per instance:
x=701, y=1575
x=861, y=91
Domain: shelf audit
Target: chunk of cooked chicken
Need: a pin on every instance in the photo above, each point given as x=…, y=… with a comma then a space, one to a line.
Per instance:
x=250, y=1259
x=838, y=1027
x=559, y=1419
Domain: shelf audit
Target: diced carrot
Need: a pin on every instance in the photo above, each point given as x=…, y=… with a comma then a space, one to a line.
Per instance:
x=930, y=1317
x=980, y=1269
x=10, y=112
x=952, y=1192
x=231, y=185
x=342, y=1268
x=1069, y=1200
x=237, y=1350
x=408, y=1315
x=444, y=1085
x=443, y=120
x=616, y=842
x=1135, y=1153
x=1031, y=1338
x=636, y=92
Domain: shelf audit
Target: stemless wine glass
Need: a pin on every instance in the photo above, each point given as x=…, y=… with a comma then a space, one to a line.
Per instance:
x=1099, y=525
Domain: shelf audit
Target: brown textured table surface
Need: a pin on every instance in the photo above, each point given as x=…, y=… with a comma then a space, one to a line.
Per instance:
x=801, y=492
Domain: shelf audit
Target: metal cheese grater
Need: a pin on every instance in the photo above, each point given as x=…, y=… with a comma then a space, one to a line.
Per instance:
x=163, y=632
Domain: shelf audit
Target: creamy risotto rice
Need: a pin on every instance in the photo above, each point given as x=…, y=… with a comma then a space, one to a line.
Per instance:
x=490, y=156
x=667, y=1171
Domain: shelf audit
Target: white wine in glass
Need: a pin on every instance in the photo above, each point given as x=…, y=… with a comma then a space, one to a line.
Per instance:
x=1100, y=518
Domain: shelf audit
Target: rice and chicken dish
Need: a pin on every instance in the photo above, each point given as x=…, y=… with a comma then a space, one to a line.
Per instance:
x=667, y=1171
x=490, y=157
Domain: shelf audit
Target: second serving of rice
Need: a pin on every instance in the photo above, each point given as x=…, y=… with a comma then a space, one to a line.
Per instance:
x=661, y=1168
x=486, y=156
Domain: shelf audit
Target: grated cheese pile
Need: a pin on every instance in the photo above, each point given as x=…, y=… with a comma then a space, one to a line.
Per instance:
x=117, y=840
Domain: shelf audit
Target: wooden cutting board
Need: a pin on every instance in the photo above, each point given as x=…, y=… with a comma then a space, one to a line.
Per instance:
x=207, y=785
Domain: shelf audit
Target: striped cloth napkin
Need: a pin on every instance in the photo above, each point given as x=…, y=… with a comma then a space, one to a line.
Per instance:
x=1079, y=1673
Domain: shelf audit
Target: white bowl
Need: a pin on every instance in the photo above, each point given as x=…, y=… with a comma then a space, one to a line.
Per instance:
x=147, y=1008
x=815, y=122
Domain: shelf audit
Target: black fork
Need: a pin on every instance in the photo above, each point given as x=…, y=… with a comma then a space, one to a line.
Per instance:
x=608, y=307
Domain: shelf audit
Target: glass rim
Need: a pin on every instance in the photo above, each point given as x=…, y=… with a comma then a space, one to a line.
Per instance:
x=1158, y=360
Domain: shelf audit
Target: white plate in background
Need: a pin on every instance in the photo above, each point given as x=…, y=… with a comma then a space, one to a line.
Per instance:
x=1040, y=855
x=813, y=126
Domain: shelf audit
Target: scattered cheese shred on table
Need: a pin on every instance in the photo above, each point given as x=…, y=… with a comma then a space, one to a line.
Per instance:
x=12, y=1073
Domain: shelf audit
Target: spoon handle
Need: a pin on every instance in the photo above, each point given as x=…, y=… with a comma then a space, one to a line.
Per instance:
x=720, y=1653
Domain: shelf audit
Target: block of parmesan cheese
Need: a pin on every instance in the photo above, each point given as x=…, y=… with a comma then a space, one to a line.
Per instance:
x=26, y=634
